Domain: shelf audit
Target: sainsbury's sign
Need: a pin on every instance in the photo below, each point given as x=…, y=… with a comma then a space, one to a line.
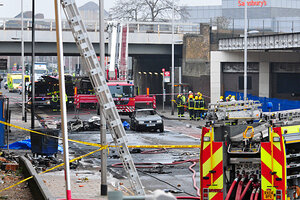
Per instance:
x=261, y=3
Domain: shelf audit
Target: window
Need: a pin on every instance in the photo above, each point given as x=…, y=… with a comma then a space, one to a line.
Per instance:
x=241, y=83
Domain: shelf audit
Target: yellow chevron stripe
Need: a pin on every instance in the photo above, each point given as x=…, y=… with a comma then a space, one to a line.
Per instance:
x=219, y=183
x=217, y=158
x=267, y=159
x=205, y=145
x=290, y=129
x=265, y=183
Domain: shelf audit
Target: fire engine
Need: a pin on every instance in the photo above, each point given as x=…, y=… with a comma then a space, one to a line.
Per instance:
x=121, y=88
x=252, y=165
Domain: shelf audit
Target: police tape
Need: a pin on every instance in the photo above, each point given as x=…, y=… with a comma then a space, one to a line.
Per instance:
x=106, y=146
x=57, y=166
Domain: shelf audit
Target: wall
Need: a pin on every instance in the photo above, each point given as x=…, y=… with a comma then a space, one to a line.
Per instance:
x=264, y=59
x=195, y=60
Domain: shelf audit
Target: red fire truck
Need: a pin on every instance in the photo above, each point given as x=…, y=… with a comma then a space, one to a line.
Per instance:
x=122, y=93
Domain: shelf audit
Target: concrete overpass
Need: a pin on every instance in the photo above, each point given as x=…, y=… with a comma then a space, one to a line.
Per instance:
x=144, y=38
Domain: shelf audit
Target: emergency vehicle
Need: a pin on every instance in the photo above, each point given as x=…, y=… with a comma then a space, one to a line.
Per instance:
x=253, y=166
x=14, y=80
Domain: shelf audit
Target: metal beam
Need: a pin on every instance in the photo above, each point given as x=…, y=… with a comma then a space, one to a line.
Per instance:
x=266, y=42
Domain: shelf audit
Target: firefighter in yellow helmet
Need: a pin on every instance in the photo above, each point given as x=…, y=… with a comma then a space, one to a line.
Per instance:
x=180, y=105
x=202, y=107
x=197, y=108
x=191, y=104
x=221, y=99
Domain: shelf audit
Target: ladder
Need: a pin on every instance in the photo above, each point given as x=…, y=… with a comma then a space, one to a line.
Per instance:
x=102, y=91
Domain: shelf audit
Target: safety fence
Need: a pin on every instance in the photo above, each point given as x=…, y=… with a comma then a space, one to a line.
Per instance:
x=278, y=104
x=101, y=147
x=93, y=26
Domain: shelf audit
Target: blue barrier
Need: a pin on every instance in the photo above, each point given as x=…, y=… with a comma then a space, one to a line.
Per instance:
x=278, y=104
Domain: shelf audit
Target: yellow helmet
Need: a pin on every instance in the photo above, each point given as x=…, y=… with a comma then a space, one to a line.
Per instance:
x=221, y=97
x=196, y=98
x=178, y=96
x=199, y=94
x=200, y=98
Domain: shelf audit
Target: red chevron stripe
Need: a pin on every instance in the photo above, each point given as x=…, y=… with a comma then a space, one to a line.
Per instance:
x=219, y=171
x=218, y=196
x=206, y=154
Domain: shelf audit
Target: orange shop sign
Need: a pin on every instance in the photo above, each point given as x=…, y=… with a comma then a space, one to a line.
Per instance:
x=253, y=3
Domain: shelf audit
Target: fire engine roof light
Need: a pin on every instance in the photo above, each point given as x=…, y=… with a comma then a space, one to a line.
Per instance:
x=276, y=139
x=206, y=139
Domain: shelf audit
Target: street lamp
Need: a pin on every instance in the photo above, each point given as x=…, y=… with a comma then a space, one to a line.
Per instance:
x=22, y=60
x=173, y=71
x=245, y=50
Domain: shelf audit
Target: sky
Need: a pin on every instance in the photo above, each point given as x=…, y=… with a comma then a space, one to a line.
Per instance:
x=13, y=7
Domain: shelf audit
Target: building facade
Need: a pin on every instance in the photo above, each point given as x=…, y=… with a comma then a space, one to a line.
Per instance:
x=266, y=15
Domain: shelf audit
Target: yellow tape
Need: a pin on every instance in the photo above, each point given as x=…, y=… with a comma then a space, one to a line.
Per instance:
x=76, y=141
x=57, y=166
x=100, y=146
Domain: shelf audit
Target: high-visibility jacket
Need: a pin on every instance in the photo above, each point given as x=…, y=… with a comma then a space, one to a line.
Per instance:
x=179, y=102
x=55, y=98
x=202, y=103
x=197, y=105
x=191, y=103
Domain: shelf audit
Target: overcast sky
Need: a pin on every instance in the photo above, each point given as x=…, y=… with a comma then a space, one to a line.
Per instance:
x=13, y=7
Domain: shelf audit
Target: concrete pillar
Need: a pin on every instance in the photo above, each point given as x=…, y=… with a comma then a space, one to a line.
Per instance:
x=264, y=79
x=215, y=79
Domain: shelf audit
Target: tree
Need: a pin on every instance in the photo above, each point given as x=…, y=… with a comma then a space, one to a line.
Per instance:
x=146, y=10
x=221, y=22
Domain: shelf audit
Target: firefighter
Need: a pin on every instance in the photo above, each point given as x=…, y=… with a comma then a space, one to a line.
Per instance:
x=221, y=99
x=202, y=107
x=55, y=103
x=199, y=94
x=180, y=105
x=197, y=108
x=232, y=98
x=228, y=98
x=191, y=104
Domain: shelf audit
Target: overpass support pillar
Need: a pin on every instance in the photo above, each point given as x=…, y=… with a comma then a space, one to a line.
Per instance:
x=264, y=79
x=215, y=77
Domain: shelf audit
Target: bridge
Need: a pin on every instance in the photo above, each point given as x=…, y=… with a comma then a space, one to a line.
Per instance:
x=145, y=38
x=262, y=42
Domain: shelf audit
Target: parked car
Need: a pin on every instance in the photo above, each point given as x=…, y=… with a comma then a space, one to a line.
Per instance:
x=146, y=119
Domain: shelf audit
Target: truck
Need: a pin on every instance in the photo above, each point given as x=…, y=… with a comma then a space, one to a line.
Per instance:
x=14, y=80
x=40, y=69
x=252, y=166
x=122, y=93
x=46, y=87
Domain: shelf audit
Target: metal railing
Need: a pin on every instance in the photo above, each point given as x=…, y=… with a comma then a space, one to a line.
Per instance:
x=93, y=26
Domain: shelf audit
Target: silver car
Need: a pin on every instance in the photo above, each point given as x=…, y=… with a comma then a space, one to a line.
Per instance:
x=146, y=119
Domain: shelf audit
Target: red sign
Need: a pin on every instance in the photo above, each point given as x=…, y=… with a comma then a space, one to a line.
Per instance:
x=163, y=70
x=253, y=3
x=167, y=73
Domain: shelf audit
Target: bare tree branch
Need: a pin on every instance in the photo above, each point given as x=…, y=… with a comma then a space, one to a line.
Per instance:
x=147, y=10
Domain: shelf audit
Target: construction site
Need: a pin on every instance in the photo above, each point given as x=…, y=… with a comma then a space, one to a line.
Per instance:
x=102, y=131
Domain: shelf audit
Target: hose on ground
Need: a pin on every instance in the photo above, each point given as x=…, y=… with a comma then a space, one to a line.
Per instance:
x=194, y=178
x=257, y=194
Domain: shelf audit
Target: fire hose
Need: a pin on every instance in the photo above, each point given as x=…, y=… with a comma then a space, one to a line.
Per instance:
x=239, y=189
x=253, y=194
x=246, y=188
x=231, y=188
x=194, y=178
x=257, y=194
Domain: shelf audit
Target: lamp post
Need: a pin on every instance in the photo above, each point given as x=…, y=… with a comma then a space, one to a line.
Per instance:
x=245, y=50
x=173, y=71
x=22, y=60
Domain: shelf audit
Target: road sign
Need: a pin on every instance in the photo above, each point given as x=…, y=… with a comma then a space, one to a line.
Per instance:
x=167, y=76
x=3, y=64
